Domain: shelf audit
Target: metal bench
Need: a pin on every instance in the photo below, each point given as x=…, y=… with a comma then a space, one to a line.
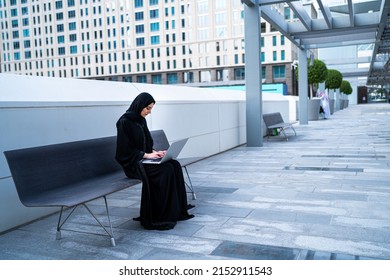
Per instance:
x=160, y=142
x=68, y=175
x=275, y=121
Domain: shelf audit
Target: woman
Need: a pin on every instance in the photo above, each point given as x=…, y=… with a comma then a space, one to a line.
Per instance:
x=164, y=197
x=325, y=104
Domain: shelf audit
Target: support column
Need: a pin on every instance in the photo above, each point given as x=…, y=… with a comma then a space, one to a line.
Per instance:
x=254, y=115
x=303, y=87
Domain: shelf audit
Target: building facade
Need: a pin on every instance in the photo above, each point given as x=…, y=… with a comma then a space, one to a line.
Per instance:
x=145, y=41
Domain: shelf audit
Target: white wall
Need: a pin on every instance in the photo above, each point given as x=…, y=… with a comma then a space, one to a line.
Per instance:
x=36, y=111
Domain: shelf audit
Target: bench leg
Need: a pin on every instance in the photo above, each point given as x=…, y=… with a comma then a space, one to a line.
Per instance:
x=282, y=130
x=59, y=224
x=110, y=233
x=189, y=186
x=294, y=130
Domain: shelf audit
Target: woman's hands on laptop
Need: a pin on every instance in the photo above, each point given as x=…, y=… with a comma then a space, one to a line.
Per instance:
x=155, y=154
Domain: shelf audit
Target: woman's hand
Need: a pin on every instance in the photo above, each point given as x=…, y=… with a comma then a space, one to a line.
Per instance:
x=155, y=154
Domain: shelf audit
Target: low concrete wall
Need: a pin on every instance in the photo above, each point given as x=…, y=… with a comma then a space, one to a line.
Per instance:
x=36, y=111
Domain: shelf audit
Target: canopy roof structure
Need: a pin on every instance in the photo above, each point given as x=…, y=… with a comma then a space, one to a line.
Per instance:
x=332, y=24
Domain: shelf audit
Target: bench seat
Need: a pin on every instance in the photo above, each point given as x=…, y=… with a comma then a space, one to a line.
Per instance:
x=86, y=191
x=68, y=175
x=275, y=121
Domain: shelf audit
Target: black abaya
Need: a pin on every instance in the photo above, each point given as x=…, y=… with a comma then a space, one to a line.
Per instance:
x=164, y=198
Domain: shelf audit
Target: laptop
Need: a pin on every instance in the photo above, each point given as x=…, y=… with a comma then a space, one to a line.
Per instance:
x=172, y=153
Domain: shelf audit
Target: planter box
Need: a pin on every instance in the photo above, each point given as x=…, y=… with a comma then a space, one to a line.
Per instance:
x=313, y=109
x=331, y=106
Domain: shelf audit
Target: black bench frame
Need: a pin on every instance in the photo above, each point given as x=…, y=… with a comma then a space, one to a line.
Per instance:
x=68, y=175
x=161, y=143
x=275, y=121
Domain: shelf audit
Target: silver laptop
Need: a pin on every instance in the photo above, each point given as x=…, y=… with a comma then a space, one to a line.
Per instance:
x=172, y=153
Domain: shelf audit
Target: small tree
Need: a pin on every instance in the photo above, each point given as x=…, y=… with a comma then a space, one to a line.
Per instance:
x=316, y=74
x=333, y=79
x=346, y=87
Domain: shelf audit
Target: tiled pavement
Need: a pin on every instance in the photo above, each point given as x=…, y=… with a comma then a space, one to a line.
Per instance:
x=324, y=194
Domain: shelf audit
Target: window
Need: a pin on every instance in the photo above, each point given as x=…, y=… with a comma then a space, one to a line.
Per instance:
x=72, y=26
x=263, y=72
x=140, y=42
x=138, y=3
x=262, y=56
x=139, y=16
x=155, y=40
x=58, y=4
x=60, y=28
x=155, y=26
x=141, y=79
x=16, y=56
x=72, y=14
x=16, y=45
x=279, y=71
x=239, y=74
x=70, y=3
x=274, y=41
x=27, y=54
x=139, y=28
x=172, y=78
x=59, y=16
x=287, y=13
x=282, y=40
x=72, y=37
x=61, y=39
x=61, y=51
x=14, y=12
x=153, y=14
x=153, y=2
x=73, y=49
x=25, y=22
x=282, y=55
x=157, y=79
x=274, y=56
x=24, y=11
x=263, y=27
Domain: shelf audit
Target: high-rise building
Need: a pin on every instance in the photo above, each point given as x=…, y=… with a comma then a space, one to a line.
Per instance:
x=147, y=41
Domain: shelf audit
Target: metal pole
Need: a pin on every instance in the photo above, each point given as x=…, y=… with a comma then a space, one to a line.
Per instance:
x=254, y=116
x=303, y=87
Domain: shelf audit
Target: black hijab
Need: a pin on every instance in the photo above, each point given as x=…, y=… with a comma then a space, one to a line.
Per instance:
x=140, y=102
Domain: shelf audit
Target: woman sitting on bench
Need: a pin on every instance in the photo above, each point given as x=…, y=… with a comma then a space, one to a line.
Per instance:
x=164, y=197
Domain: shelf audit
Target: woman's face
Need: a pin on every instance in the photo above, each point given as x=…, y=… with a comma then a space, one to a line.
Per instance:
x=147, y=110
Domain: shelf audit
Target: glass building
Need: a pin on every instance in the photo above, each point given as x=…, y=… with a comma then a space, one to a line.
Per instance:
x=145, y=41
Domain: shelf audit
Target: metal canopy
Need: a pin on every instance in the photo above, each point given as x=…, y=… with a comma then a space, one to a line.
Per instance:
x=353, y=22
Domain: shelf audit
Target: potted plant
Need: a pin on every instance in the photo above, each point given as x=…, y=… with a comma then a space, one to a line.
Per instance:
x=317, y=73
x=333, y=81
x=347, y=90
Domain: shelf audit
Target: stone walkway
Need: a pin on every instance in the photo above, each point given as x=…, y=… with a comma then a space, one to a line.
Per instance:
x=324, y=194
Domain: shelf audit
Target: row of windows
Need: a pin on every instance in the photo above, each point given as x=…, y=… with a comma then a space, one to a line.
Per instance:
x=112, y=45
x=172, y=78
